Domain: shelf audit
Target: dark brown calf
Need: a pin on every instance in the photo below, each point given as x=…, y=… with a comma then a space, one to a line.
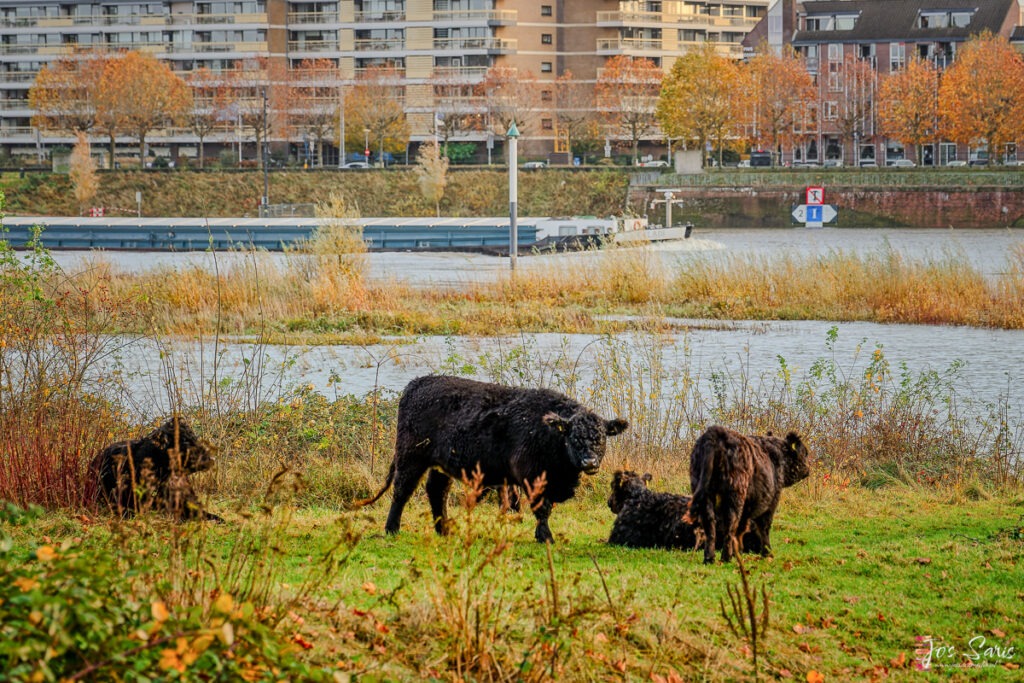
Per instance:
x=737, y=481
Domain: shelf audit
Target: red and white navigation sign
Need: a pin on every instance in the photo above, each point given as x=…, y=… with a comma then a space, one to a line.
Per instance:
x=815, y=196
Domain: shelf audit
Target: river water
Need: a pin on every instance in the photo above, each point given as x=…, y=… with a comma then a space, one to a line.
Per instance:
x=990, y=362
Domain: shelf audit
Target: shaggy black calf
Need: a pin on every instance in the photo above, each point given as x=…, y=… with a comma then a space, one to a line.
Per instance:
x=736, y=482
x=152, y=472
x=645, y=519
x=452, y=426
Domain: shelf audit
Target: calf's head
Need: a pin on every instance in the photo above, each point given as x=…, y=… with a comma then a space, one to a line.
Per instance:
x=795, y=460
x=626, y=485
x=585, y=434
x=176, y=434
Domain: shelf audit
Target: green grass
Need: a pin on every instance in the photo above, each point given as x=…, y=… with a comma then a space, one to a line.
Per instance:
x=857, y=576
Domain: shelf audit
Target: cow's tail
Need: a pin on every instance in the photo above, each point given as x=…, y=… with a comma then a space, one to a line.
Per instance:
x=374, y=499
x=698, y=502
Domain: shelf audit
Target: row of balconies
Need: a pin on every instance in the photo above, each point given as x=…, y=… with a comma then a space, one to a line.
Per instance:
x=133, y=20
x=668, y=20
x=607, y=46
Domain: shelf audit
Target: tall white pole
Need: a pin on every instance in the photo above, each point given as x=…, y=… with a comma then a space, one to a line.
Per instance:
x=513, y=194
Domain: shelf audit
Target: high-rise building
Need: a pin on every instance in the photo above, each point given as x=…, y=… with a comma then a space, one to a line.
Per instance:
x=436, y=49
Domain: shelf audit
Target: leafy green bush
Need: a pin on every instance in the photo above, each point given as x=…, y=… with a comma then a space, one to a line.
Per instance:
x=91, y=611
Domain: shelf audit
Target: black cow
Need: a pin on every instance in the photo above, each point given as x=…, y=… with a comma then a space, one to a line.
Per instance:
x=451, y=426
x=737, y=481
x=647, y=519
x=153, y=472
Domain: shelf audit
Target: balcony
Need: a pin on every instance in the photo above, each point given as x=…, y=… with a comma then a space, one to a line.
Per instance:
x=620, y=19
x=459, y=74
x=330, y=45
x=312, y=18
x=379, y=17
x=379, y=45
x=475, y=44
x=628, y=45
x=489, y=17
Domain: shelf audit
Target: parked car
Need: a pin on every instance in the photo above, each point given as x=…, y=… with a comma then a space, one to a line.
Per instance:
x=979, y=158
x=901, y=163
x=832, y=163
x=656, y=163
x=868, y=163
x=356, y=164
x=956, y=162
x=744, y=163
x=760, y=158
x=535, y=164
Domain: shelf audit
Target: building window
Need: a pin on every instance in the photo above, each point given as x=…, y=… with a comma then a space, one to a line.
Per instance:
x=835, y=52
x=546, y=124
x=831, y=110
x=545, y=96
x=545, y=10
x=897, y=56
x=545, y=38
x=545, y=67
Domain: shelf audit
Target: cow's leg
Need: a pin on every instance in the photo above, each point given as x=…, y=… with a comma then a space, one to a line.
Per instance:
x=733, y=506
x=542, y=512
x=709, y=524
x=763, y=524
x=407, y=478
x=438, y=484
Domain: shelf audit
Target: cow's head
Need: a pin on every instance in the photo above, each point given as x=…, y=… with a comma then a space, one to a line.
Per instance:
x=177, y=434
x=796, y=464
x=626, y=485
x=585, y=434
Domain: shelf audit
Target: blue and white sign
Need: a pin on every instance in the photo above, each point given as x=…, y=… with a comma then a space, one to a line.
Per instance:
x=816, y=215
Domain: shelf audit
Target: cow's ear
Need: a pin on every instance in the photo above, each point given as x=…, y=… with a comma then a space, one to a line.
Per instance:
x=616, y=426
x=555, y=421
x=793, y=441
x=647, y=477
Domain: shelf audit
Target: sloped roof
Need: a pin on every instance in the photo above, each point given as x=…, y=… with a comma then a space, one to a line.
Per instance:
x=896, y=20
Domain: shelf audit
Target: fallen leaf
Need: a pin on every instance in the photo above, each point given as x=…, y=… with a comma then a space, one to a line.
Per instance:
x=899, y=662
x=800, y=628
x=815, y=677
x=370, y=588
x=785, y=673
x=45, y=553
x=159, y=611
x=302, y=642
x=923, y=560
x=997, y=633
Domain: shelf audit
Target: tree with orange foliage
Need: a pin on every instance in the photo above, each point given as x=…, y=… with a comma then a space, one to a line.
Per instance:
x=211, y=106
x=982, y=94
x=627, y=95
x=82, y=172
x=779, y=91
x=574, y=111
x=376, y=103
x=853, y=89
x=314, y=103
x=64, y=93
x=509, y=95
x=260, y=97
x=457, y=106
x=698, y=100
x=908, y=104
x=142, y=94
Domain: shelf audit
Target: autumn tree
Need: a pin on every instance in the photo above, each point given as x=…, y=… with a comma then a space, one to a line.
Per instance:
x=314, y=102
x=982, y=94
x=779, y=91
x=260, y=94
x=432, y=173
x=509, y=95
x=698, y=99
x=627, y=95
x=83, y=171
x=575, y=113
x=850, y=91
x=376, y=103
x=212, y=106
x=65, y=91
x=457, y=107
x=142, y=94
x=908, y=104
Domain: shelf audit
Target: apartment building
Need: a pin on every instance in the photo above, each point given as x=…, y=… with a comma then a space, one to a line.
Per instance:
x=838, y=37
x=423, y=41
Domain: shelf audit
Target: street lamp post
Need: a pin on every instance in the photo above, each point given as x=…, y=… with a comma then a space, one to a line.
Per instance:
x=513, y=192
x=366, y=142
x=266, y=156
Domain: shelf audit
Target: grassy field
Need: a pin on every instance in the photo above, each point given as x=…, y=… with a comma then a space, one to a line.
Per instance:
x=858, y=576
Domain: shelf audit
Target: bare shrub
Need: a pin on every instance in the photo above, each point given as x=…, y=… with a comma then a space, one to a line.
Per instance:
x=83, y=172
